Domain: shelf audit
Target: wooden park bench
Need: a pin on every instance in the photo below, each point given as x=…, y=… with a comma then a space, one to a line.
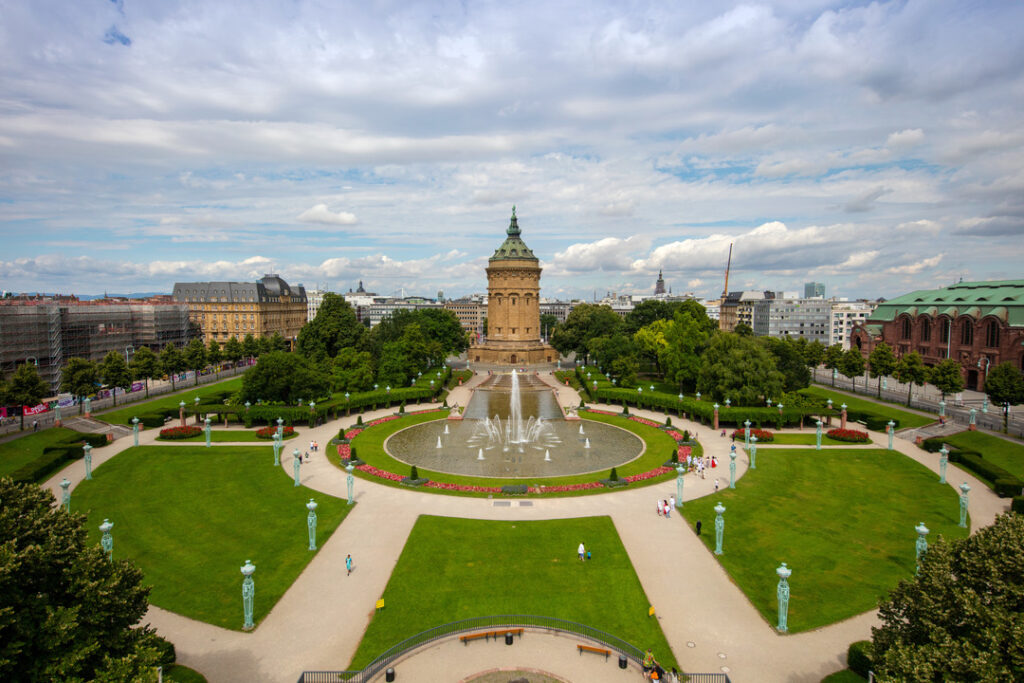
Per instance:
x=595, y=650
x=487, y=635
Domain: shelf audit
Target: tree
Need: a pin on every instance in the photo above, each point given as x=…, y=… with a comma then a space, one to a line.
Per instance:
x=789, y=361
x=276, y=342
x=233, y=350
x=882, y=363
x=442, y=326
x=279, y=376
x=686, y=338
x=250, y=347
x=78, y=378
x=959, y=618
x=911, y=370
x=334, y=328
x=145, y=365
x=214, y=355
x=26, y=388
x=1005, y=387
x=744, y=330
x=833, y=356
x=548, y=323
x=195, y=357
x=66, y=612
x=650, y=342
x=171, y=361
x=114, y=373
x=851, y=365
x=352, y=371
x=947, y=377
x=616, y=355
x=585, y=322
x=740, y=369
x=814, y=353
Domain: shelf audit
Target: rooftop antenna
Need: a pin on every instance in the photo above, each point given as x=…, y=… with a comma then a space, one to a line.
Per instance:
x=728, y=265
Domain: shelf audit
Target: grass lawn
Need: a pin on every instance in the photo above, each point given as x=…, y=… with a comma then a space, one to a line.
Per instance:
x=182, y=674
x=452, y=569
x=853, y=403
x=190, y=516
x=230, y=436
x=803, y=440
x=842, y=519
x=19, y=452
x=369, y=447
x=1005, y=454
x=124, y=415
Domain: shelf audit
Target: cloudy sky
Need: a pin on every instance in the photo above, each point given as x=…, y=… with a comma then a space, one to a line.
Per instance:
x=875, y=147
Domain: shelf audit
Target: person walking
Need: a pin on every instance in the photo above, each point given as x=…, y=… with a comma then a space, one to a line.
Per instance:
x=582, y=551
x=348, y=565
x=648, y=663
x=716, y=483
x=671, y=501
x=659, y=508
x=698, y=527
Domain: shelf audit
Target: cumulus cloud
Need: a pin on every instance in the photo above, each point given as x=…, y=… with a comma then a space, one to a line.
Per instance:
x=321, y=214
x=610, y=253
x=915, y=268
x=866, y=201
x=905, y=139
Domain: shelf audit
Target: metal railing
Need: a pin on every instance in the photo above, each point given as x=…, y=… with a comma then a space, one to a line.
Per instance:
x=501, y=621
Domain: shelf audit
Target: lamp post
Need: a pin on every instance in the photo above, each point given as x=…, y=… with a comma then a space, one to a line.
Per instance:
x=891, y=428
x=107, y=541
x=984, y=404
x=943, y=461
x=248, y=591
x=65, y=494
x=728, y=402
x=753, y=453
x=350, y=480
x=817, y=436
x=57, y=422
x=679, y=485
x=974, y=420
x=195, y=402
x=782, y=594
x=206, y=429
x=732, y=467
x=842, y=416
x=942, y=408
x=348, y=409
x=715, y=406
x=746, y=432
x=296, y=464
x=311, y=523
x=921, y=546
x=964, y=488
x=885, y=384
x=280, y=427
x=719, y=527
x=86, y=402
x=181, y=412
x=698, y=395
x=277, y=449
x=88, y=460
x=769, y=402
x=247, y=404
x=135, y=430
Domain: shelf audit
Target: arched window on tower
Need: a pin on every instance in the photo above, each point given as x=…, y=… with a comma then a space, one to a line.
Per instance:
x=966, y=333
x=926, y=330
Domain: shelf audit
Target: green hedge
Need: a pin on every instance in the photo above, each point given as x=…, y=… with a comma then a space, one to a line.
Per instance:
x=876, y=422
x=1004, y=483
x=858, y=657
x=1017, y=505
x=1008, y=487
x=55, y=456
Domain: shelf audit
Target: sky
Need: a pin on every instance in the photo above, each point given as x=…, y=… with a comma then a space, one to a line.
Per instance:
x=875, y=147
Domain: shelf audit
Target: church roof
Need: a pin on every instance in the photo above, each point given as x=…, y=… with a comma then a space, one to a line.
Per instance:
x=513, y=247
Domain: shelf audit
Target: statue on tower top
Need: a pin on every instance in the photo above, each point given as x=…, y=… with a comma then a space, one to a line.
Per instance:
x=513, y=225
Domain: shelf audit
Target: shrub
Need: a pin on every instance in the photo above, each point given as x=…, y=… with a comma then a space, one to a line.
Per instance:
x=686, y=435
x=1008, y=484
x=1007, y=487
x=176, y=433
x=675, y=455
x=414, y=474
x=668, y=421
x=858, y=657
x=359, y=420
x=46, y=464
x=165, y=648
x=848, y=435
x=152, y=420
x=763, y=435
x=1017, y=505
x=614, y=476
x=268, y=432
x=515, y=489
x=401, y=408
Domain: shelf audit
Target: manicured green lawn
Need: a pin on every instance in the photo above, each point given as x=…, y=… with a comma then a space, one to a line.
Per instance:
x=230, y=436
x=1005, y=454
x=452, y=569
x=803, y=440
x=23, y=450
x=853, y=403
x=842, y=519
x=190, y=516
x=182, y=674
x=124, y=415
x=369, y=447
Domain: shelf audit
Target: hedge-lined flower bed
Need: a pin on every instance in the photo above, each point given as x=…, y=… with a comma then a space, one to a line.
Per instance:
x=268, y=432
x=763, y=435
x=645, y=421
x=849, y=435
x=344, y=451
x=175, y=433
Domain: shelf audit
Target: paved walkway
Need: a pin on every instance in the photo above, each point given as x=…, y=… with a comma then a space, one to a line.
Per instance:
x=320, y=620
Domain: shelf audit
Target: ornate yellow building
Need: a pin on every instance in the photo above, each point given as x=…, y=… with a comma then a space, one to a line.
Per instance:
x=513, y=306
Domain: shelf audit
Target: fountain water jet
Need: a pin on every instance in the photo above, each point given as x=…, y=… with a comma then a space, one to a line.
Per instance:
x=438, y=442
x=446, y=429
x=515, y=431
x=586, y=444
x=581, y=429
x=547, y=455
x=480, y=454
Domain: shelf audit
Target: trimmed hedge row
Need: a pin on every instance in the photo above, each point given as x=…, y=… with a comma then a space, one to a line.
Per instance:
x=55, y=456
x=1017, y=505
x=1004, y=483
x=858, y=657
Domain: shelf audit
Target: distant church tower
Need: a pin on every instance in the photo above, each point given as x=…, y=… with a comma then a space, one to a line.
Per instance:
x=513, y=305
x=659, y=286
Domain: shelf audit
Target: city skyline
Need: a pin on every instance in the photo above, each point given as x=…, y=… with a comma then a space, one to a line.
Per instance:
x=874, y=148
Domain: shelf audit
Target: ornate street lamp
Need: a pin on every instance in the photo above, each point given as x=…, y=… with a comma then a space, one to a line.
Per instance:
x=65, y=495
x=277, y=449
x=88, y=460
x=719, y=527
x=817, y=436
x=921, y=547
x=943, y=461
x=107, y=541
x=753, y=452
x=679, y=485
x=964, y=488
x=311, y=523
x=135, y=430
x=280, y=426
x=892, y=431
x=782, y=594
x=248, y=591
x=698, y=395
x=296, y=464
x=728, y=402
x=732, y=467
x=746, y=432
x=769, y=402
x=350, y=480
x=207, y=430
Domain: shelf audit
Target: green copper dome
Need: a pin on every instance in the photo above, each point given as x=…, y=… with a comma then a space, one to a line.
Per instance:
x=513, y=247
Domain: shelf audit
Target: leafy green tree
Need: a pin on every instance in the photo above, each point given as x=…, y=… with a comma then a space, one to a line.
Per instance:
x=548, y=323
x=352, y=371
x=686, y=338
x=67, y=613
x=882, y=363
x=789, y=361
x=172, y=361
x=397, y=366
x=233, y=350
x=145, y=365
x=26, y=388
x=442, y=326
x=214, y=354
x=78, y=378
x=649, y=311
x=833, y=356
x=275, y=342
x=279, y=376
x=947, y=377
x=250, y=347
x=114, y=372
x=814, y=353
x=334, y=328
x=852, y=366
x=195, y=357
x=959, y=618
x=650, y=342
x=616, y=355
x=911, y=370
x=743, y=330
x=585, y=322
x=1005, y=387
x=740, y=369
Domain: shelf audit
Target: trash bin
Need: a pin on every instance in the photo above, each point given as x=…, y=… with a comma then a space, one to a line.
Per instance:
x=623, y=662
x=509, y=638
x=389, y=675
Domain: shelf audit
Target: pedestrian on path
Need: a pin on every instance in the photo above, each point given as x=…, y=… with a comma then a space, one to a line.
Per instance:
x=716, y=483
x=348, y=565
x=671, y=501
x=665, y=505
x=659, y=508
x=698, y=527
x=648, y=663
x=582, y=551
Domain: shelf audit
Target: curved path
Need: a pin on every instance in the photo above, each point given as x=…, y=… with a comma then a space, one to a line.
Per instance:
x=320, y=620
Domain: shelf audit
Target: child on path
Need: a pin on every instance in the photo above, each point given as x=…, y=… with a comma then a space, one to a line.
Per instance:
x=716, y=484
x=348, y=565
x=671, y=501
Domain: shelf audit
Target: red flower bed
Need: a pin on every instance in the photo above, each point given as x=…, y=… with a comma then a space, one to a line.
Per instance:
x=380, y=420
x=353, y=433
x=370, y=469
x=849, y=435
x=763, y=435
x=344, y=451
x=461, y=487
x=268, y=432
x=683, y=452
x=644, y=421
x=651, y=474
x=601, y=412
x=186, y=432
